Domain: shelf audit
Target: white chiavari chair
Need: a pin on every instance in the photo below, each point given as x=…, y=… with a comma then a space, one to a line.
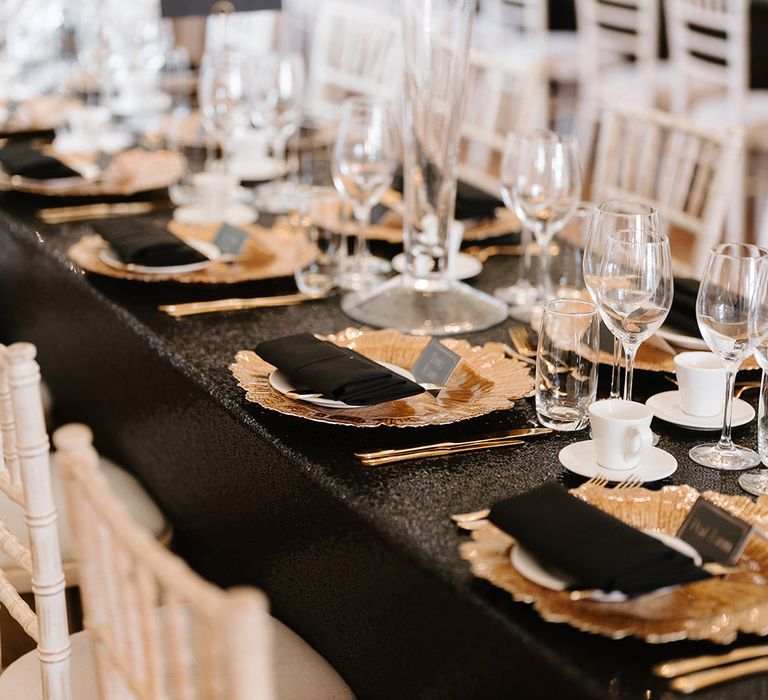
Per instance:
x=25, y=481
x=685, y=170
x=619, y=60
x=356, y=50
x=249, y=33
x=502, y=96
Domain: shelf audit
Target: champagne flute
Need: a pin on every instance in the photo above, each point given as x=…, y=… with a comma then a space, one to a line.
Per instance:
x=723, y=305
x=613, y=215
x=363, y=164
x=545, y=189
x=634, y=290
x=757, y=327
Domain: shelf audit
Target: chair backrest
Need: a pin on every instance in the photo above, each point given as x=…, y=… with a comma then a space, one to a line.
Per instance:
x=667, y=161
x=709, y=45
x=25, y=479
x=502, y=96
x=527, y=16
x=612, y=33
x=250, y=33
x=356, y=50
x=158, y=629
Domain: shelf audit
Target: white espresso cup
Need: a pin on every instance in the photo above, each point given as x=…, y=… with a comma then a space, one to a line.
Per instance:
x=701, y=380
x=621, y=432
x=214, y=193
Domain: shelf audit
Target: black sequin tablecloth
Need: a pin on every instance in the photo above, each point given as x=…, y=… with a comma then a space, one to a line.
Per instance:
x=363, y=563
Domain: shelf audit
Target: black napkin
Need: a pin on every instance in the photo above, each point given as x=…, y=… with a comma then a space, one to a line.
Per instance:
x=146, y=242
x=22, y=159
x=338, y=373
x=593, y=549
x=682, y=315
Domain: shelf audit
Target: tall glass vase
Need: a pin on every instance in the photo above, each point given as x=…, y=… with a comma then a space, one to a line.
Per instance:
x=423, y=300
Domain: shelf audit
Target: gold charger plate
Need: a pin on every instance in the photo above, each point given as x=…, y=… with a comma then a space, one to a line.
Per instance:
x=40, y=113
x=483, y=382
x=268, y=254
x=128, y=173
x=717, y=609
x=654, y=359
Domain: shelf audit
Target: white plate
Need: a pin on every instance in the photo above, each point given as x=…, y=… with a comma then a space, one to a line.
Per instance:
x=530, y=567
x=110, y=143
x=579, y=458
x=282, y=384
x=235, y=214
x=259, y=171
x=682, y=341
x=462, y=267
x=667, y=407
x=107, y=256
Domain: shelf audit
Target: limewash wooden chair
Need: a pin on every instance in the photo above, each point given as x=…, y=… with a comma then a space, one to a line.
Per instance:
x=154, y=629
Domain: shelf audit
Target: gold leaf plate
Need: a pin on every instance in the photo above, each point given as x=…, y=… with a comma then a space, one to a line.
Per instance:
x=39, y=113
x=483, y=382
x=717, y=609
x=268, y=254
x=128, y=173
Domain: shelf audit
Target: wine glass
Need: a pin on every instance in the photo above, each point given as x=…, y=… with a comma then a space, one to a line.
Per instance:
x=757, y=328
x=634, y=289
x=363, y=164
x=545, y=188
x=276, y=102
x=222, y=96
x=522, y=293
x=613, y=215
x=723, y=306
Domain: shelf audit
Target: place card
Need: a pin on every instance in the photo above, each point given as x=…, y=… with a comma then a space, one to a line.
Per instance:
x=435, y=364
x=230, y=240
x=716, y=534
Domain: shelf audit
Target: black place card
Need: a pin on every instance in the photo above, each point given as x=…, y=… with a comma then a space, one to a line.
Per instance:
x=715, y=533
x=230, y=240
x=435, y=364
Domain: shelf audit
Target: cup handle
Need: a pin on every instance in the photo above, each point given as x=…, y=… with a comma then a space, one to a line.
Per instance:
x=639, y=439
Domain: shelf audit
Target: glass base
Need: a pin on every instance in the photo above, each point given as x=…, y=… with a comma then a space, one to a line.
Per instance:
x=425, y=307
x=734, y=459
x=277, y=197
x=756, y=484
x=517, y=294
x=363, y=274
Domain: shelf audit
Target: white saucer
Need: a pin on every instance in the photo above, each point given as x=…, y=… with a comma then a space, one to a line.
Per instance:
x=530, y=567
x=107, y=256
x=667, y=407
x=579, y=458
x=111, y=142
x=682, y=341
x=235, y=214
x=281, y=383
x=259, y=171
x=462, y=267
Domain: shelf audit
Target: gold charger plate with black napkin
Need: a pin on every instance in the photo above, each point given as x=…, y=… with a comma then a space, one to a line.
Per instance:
x=717, y=609
x=483, y=382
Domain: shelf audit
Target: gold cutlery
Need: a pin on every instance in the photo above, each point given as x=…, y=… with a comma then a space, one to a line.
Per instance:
x=521, y=341
x=220, y=305
x=746, y=387
x=440, y=452
x=696, y=681
x=679, y=667
x=85, y=212
x=482, y=253
x=504, y=435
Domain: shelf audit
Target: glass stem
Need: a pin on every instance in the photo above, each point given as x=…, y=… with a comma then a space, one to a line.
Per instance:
x=280, y=149
x=362, y=216
x=629, y=353
x=762, y=420
x=544, y=238
x=725, y=438
x=616, y=371
x=524, y=262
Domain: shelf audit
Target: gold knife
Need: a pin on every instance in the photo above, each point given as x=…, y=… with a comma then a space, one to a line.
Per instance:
x=695, y=681
x=440, y=452
x=207, y=307
x=671, y=669
x=60, y=215
x=515, y=433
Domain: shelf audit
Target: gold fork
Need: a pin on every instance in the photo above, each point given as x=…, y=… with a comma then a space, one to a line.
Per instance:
x=521, y=341
x=630, y=482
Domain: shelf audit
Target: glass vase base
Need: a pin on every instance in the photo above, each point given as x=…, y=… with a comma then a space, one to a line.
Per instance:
x=756, y=484
x=734, y=459
x=425, y=307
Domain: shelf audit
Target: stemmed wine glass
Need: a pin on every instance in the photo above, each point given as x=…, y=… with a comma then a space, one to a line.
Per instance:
x=613, y=215
x=634, y=289
x=522, y=292
x=545, y=187
x=757, y=327
x=363, y=164
x=276, y=103
x=723, y=306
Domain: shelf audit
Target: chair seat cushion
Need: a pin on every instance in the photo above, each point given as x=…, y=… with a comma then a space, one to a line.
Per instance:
x=716, y=112
x=300, y=672
x=123, y=484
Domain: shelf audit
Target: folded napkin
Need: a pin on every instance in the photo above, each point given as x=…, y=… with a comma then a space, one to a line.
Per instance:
x=338, y=373
x=682, y=315
x=146, y=242
x=590, y=547
x=22, y=159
